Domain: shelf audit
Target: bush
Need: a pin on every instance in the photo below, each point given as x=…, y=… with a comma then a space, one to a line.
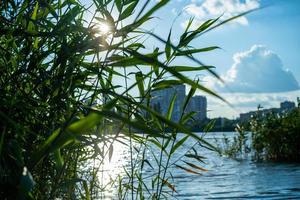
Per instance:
x=277, y=137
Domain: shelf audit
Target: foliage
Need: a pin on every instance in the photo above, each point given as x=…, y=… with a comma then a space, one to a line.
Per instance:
x=277, y=137
x=66, y=98
x=271, y=137
x=236, y=147
x=234, y=144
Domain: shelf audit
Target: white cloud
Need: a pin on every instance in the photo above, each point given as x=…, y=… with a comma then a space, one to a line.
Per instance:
x=207, y=9
x=257, y=70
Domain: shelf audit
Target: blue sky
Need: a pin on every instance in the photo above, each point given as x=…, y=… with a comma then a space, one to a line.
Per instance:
x=260, y=55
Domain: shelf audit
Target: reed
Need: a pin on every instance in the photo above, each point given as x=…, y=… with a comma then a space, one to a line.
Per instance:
x=64, y=104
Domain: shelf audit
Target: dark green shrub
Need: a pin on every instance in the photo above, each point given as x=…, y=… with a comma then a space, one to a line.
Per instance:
x=277, y=137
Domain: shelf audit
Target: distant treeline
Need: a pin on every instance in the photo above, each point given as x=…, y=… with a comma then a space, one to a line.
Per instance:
x=217, y=125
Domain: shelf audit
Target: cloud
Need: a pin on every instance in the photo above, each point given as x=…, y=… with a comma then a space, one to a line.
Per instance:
x=257, y=70
x=207, y=9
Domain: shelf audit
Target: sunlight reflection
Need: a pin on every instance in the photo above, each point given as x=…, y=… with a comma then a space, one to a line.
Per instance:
x=114, y=163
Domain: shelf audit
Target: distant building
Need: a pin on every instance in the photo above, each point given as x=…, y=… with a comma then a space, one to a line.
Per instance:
x=287, y=106
x=161, y=99
x=244, y=117
x=198, y=104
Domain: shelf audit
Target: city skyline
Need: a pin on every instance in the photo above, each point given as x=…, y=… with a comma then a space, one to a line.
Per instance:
x=160, y=101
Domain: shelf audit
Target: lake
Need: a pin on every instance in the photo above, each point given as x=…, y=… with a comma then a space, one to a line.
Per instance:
x=226, y=178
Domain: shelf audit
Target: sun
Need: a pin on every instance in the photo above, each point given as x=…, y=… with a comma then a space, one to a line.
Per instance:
x=103, y=28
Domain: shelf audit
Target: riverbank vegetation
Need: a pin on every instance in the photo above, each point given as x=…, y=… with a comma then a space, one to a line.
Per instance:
x=270, y=137
x=277, y=137
x=68, y=72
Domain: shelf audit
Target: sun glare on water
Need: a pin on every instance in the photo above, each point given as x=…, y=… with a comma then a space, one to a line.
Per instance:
x=112, y=168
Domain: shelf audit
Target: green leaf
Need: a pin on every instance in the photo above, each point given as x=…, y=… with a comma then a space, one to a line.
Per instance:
x=206, y=24
x=86, y=188
x=187, y=38
x=178, y=144
x=154, y=65
x=188, y=27
x=168, y=47
x=130, y=61
x=31, y=28
x=59, y=162
x=128, y=11
x=34, y=14
x=108, y=16
x=119, y=4
x=187, y=117
x=192, y=51
x=36, y=43
x=140, y=80
x=145, y=17
x=136, y=45
x=101, y=20
x=189, y=68
x=165, y=84
x=171, y=107
x=148, y=163
x=228, y=20
x=167, y=143
x=85, y=123
x=156, y=143
x=188, y=97
x=209, y=126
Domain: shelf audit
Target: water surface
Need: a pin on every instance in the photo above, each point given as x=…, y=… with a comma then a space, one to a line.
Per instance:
x=226, y=178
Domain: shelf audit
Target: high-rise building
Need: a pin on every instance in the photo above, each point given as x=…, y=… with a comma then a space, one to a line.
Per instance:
x=198, y=104
x=161, y=99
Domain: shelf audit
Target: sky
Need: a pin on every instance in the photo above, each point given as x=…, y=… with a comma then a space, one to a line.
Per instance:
x=259, y=59
x=259, y=55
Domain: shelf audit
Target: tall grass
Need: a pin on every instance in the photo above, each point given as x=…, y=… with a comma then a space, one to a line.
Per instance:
x=63, y=107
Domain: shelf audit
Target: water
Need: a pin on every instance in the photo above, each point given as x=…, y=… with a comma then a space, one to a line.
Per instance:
x=226, y=178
